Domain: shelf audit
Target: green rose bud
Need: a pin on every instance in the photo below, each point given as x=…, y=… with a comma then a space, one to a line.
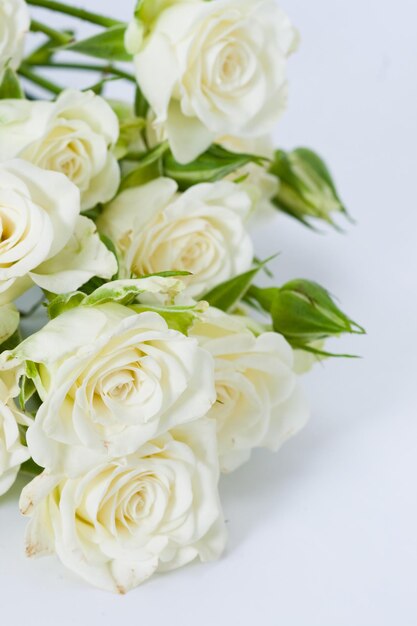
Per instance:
x=303, y=312
x=306, y=190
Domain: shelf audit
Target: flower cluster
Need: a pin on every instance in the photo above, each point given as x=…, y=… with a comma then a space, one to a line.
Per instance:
x=161, y=363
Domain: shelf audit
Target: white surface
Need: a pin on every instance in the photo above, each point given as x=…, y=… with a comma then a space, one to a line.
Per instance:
x=324, y=533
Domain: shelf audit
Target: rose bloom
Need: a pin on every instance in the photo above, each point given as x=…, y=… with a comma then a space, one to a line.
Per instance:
x=74, y=136
x=111, y=379
x=152, y=511
x=40, y=221
x=14, y=24
x=259, y=402
x=210, y=69
x=12, y=452
x=201, y=231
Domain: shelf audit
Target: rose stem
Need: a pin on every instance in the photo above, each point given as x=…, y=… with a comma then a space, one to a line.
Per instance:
x=103, y=69
x=39, y=80
x=55, y=35
x=81, y=14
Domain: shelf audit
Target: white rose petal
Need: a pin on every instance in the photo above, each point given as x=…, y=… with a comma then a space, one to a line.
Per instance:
x=12, y=452
x=111, y=379
x=21, y=121
x=200, y=231
x=259, y=402
x=83, y=257
x=14, y=24
x=210, y=69
x=74, y=136
x=39, y=220
x=152, y=511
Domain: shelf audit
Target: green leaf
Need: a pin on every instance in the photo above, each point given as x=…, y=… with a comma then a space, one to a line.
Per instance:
x=229, y=293
x=141, y=104
x=213, y=165
x=10, y=86
x=123, y=292
x=149, y=167
x=12, y=342
x=177, y=318
x=42, y=54
x=31, y=468
x=108, y=45
x=323, y=353
x=127, y=291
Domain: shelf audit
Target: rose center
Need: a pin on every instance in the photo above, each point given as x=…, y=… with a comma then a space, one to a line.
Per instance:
x=6, y=225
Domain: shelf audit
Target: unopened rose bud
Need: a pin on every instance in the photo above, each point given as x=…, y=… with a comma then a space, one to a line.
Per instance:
x=304, y=312
x=306, y=189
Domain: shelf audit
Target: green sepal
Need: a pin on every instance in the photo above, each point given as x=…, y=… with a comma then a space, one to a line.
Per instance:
x=10, y=86
x=31, y=374
x=108, y=45
x=213, y=165
x=227, y=295
x=27, y=391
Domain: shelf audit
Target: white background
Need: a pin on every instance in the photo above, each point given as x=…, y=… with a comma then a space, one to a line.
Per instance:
x=323, y=533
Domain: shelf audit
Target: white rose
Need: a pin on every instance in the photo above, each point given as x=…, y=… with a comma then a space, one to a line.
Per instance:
x=210, y=69
x=74, y=136
x=12, y=452
x=111, y=379
x=39, y=220
x=200, y=231
x=259, y=403
x=14, y=24
x=153, y=511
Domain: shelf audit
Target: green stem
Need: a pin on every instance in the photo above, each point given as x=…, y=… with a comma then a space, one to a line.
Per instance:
x=39, y=80
x=103, y=69
x=54, y=35
x=81, y=14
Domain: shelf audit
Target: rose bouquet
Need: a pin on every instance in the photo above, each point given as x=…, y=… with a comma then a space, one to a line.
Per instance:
x=161, y=361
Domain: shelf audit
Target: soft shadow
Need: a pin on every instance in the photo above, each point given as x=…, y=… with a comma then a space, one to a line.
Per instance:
x=14, y=492
x=255, y=491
